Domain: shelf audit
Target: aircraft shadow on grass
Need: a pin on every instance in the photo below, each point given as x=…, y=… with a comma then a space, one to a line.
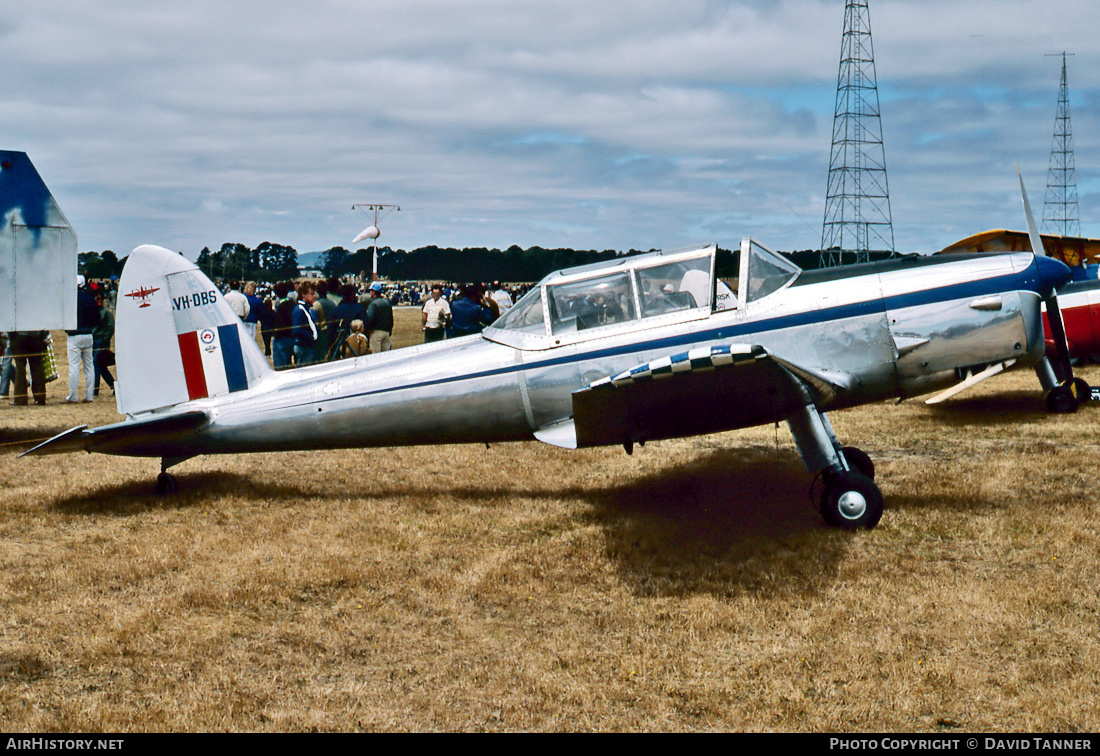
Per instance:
x=733, y=520
x=1009, y=409
x=133, y=497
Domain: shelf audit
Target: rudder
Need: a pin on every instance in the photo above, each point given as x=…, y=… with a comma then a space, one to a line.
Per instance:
x=176, y=338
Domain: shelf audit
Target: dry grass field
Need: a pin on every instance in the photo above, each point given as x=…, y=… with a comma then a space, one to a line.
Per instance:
x=689, y=587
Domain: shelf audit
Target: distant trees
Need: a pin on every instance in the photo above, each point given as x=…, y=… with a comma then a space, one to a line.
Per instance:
x=99, y=264
x=234, y=261
x=271, y=262
x=334, y=262
x=277, y=262
x=481, y=264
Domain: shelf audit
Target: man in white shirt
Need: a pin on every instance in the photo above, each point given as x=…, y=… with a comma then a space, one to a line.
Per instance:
x=434, y=316
x=236, y=300
x=501, y=296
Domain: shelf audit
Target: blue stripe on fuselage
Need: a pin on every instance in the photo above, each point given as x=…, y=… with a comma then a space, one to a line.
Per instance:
x=984, y=287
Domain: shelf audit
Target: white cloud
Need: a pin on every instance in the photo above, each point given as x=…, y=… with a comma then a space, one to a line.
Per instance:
x=494, y=122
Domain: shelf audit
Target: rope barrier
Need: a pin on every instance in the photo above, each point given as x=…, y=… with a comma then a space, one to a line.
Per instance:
x=107, y=349
x=57, y=354
x=25, y=442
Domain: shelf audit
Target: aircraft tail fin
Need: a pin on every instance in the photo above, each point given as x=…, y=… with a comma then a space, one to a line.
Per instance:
x=176, y=338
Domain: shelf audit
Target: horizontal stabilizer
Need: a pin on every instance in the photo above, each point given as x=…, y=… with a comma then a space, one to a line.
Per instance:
x=140, y=438
x=63, y=443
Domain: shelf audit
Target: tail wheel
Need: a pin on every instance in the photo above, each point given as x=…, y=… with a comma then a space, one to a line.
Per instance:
x=166, y=484
x=851, y=500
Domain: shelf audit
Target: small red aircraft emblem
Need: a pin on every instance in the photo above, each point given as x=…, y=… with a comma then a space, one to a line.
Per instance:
x=144, y=294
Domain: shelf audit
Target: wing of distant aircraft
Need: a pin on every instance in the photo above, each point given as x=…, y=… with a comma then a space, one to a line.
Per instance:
x=1072, y=250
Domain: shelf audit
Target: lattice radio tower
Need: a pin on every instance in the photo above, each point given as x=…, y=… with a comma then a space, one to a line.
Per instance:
x=1060, y=213
x=857, y=202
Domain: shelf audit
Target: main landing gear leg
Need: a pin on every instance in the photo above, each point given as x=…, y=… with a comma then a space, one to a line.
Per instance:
x=1045, y=372
x=850, y=499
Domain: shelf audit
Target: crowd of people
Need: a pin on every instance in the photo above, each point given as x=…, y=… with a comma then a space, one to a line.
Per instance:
x=308, y=322
x=298, y=324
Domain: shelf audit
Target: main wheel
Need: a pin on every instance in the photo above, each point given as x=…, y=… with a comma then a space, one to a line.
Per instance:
x=851, y=500
x=859, y=462
x=1060, y=400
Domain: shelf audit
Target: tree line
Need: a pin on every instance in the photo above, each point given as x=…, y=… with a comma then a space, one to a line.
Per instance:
x=271, y=262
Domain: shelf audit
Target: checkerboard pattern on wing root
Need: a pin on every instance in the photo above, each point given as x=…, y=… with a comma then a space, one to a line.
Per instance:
x=695, y=360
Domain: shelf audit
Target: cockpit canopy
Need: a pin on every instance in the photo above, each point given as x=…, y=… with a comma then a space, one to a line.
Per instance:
x=653, y=289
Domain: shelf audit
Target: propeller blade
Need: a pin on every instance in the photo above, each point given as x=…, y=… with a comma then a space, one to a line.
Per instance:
x=1058, y=331
x=1054, y=313
x=1032, y=229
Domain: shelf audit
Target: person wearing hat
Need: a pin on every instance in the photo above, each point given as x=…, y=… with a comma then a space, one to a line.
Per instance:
x=379, y=323
x=80, y=344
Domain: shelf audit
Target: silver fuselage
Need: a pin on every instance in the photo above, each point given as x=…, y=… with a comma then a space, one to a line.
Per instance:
x=863, y=333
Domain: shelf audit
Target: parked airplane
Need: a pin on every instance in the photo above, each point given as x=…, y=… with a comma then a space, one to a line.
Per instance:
x=1079, y=302
x=621, y=352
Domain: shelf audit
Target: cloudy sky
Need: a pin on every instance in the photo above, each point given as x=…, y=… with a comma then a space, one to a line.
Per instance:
x=497, y=122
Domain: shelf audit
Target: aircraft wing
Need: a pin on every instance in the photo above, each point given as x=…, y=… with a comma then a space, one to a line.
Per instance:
x=704, y=390
x=129, y=437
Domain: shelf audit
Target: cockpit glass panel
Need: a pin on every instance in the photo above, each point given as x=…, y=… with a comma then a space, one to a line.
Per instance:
x=766, y=272
x=682, y=285
x=590, y=303
x=525, y=315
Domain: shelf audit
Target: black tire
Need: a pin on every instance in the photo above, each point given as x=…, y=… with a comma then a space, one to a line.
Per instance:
x=166, y=484
x=859, y=462
x=1060, y=401
x=851, y=500
x=1082, y=391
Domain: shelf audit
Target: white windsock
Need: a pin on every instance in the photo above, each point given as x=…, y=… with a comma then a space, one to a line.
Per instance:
x=371, y=232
